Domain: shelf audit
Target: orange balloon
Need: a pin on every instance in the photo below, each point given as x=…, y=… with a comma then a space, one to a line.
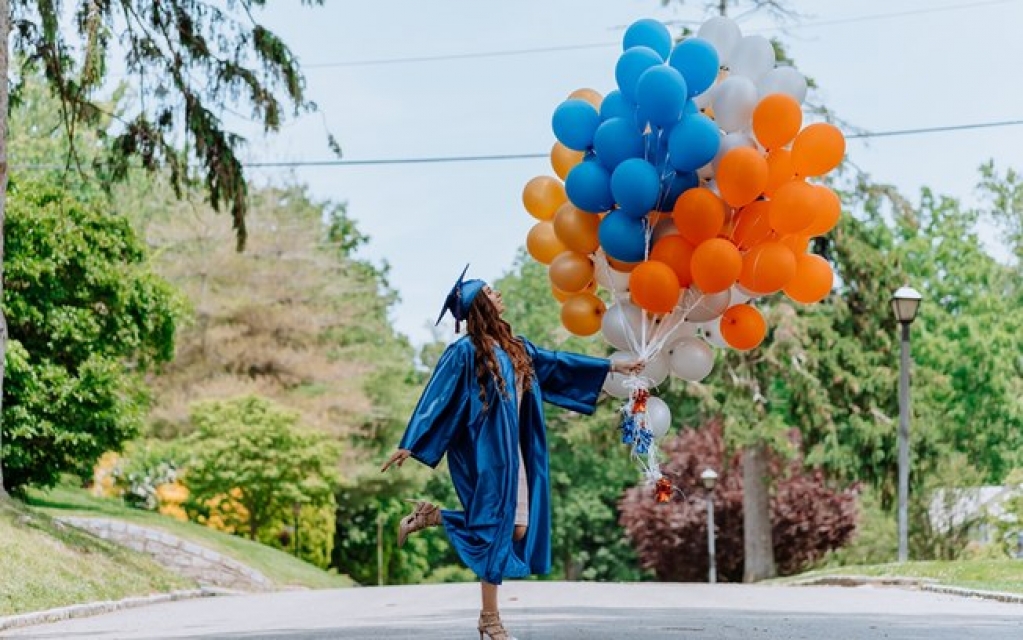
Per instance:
x=589, y=95
x=621, y=267
x=742, y=327
x=767, y=267
x=577, y=229
x=677, y=253
x=776, y=120
x=813, y=279
x=542, y=196
x=564, y=159
x=741, y=176
x=581, y=314
x=716, y=265
x=752, y=225
x=654, y=287
x=699, y=214
x=828, y=209
x=797, y=242
x=817, y=149
x=793, y=207
x=779, y=170
x=543, y=244
x=561, y=296
x=571, y=271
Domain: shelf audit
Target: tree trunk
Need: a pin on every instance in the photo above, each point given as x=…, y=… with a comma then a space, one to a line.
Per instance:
x=756, y=515
x=5, y=65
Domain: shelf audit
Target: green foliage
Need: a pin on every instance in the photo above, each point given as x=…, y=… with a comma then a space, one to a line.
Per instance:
x=255, y=450
x=190, y=60
x=86, y=317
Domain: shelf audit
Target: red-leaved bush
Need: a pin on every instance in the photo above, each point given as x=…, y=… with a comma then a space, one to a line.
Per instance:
x=808, y=517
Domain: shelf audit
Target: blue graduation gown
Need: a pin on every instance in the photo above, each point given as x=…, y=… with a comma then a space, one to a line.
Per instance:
x=483, y=451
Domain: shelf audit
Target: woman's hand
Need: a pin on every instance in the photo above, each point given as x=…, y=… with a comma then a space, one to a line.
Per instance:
x=627, y=367
x=398, y=458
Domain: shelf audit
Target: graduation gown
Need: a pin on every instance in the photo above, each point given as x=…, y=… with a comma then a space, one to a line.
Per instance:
x=483, y=450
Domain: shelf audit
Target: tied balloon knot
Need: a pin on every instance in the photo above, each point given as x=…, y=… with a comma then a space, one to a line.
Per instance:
x=663, y=489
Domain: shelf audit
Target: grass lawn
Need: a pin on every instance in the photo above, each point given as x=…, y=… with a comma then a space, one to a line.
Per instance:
x=281, y=568
x=44, y=564
x=987, y=575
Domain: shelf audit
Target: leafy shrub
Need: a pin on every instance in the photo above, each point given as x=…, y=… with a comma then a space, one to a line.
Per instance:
x=808, y=517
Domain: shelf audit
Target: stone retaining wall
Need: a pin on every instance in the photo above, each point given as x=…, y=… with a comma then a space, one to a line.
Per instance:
x=207, y=567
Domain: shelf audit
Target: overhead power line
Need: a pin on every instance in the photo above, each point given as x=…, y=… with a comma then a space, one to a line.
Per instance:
x=605, y=45
x=531, y=156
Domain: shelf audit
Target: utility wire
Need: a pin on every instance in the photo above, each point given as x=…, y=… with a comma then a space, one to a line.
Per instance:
x=605, y=45
x=532, y=156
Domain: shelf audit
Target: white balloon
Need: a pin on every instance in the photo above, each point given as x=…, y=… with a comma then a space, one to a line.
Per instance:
x=614, y=383
x=741, y=294
x=752, y=57
x=612, y=280
x=702, y=307
x=783, y=80
x=621, y=322
x=711, y=332
x=723, y=33
x=706, y=98
x=691, y=359
x=730, y=141
x=658, y=416
x=655, y=371
x=663, y=228
x=734, y=101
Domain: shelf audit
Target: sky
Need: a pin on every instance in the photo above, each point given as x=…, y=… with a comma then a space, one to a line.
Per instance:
x=406, y=80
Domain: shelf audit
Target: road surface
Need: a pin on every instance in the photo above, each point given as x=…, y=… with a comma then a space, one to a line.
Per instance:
x=561, y=611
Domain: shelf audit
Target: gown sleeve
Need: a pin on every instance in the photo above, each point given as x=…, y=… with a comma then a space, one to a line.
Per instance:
x=569, y=380
x=444, y=408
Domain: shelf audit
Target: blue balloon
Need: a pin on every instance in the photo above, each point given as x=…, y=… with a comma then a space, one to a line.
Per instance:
x=574, y=123
x=661, y=93
x=630, y=67
x=616, y=140
x=673, y=185
x=588, y=186
x=697, y=60
x=693, y=142
x=615, y=105
x=634, y=185
x=648, y=33
x=623, y=237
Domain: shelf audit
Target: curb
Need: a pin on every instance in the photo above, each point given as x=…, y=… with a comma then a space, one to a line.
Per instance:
x=923, y=584
x=105, y=606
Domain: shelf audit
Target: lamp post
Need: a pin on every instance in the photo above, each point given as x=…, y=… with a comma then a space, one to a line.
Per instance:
x=296, y=511
x=710, y=479
x=905, y=303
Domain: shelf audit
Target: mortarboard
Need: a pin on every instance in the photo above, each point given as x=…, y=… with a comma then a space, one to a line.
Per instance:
x=460, y=298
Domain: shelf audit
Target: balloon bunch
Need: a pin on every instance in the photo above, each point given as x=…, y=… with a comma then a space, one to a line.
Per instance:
x=685, y=193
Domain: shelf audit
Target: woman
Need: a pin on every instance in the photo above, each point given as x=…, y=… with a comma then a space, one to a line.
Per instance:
x=482, y=407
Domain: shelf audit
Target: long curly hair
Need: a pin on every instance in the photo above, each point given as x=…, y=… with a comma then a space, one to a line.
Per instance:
x=486, y=329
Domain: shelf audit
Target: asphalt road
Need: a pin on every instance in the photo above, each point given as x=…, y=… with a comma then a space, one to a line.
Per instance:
x=561, y=611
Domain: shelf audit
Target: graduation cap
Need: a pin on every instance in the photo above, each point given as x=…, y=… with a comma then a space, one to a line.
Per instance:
x=460, y=298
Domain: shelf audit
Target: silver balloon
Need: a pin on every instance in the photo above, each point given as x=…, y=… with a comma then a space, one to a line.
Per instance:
x=701, y=307
x=711, y=332
x=723, y=33
x=691, y=359
x=621, y=325
x=658, y=416
x=785, y=80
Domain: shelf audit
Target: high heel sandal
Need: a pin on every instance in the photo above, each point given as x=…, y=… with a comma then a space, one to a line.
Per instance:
x=490, y=625
x=424, y=515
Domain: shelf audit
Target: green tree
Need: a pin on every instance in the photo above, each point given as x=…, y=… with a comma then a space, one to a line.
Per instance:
x=187, y=58
x=87, y=317
x=256, y=451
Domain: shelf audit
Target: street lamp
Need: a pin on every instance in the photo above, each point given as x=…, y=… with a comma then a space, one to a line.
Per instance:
x=905, y=303
x=296, y=511
x=710, y=479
